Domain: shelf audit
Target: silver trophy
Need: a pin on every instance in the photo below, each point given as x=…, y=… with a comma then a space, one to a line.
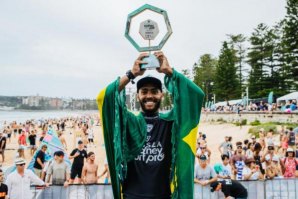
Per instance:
x=148, y=30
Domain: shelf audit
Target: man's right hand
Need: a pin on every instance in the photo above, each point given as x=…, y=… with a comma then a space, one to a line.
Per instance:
x=136, y=69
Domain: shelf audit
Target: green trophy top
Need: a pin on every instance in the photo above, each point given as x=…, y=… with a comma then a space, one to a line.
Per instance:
x=149, y=28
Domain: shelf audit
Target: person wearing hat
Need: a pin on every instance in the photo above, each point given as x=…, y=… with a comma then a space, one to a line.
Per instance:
x=230, y=188
x=289, y=164
x=20, y=180
x=149, y=151
x=58, y=170
x=251, y=171
x=269, y=152
x=78, y=155
x=204, y=173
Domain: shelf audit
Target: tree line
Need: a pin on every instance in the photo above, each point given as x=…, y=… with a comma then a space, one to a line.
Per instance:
x=265, y=61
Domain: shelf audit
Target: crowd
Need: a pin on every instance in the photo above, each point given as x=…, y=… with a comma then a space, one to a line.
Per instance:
x=266, y=157
x=50, y=169
x=261, y=106
x=269, y=155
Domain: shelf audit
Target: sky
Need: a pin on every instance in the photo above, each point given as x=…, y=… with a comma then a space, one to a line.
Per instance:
x=75, y=48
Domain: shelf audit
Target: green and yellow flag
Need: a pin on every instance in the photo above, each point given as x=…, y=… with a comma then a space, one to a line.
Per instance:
x=125, y=132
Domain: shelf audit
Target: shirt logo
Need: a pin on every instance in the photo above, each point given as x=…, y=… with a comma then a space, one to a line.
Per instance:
x=149, y=127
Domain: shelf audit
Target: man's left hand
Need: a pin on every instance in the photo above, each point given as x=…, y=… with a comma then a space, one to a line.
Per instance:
x=164, y=64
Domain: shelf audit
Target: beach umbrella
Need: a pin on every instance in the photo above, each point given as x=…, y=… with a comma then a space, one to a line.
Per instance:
x=270, y=97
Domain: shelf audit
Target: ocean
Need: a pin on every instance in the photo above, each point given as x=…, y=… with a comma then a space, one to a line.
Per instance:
x=22, y=116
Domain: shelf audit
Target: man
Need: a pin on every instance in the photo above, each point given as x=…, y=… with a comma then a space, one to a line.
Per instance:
x=39, y=161
x=204, y=173
x=78, y=155
x=2, y=145
x=226, y=172
x=89, y=173
x=32, y=141
x=58, y=170
x=230, y=188
x=19, y=181
x=3, y=187
x=148, y=152
x=238, y=164
x=224, y=146
x=22, y=138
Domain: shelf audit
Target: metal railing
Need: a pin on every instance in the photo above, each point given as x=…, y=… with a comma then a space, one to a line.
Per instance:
x=268, y=189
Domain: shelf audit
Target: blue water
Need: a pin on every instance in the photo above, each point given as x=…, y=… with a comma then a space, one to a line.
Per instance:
x=22, y=116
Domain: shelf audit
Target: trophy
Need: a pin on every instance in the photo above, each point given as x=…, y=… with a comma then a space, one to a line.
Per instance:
x=148, y=30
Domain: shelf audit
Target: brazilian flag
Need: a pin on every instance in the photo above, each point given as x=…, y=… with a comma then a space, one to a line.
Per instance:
x=125, y=132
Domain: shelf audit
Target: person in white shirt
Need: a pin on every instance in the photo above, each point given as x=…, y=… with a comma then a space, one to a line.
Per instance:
x=251, y=171
x=226, y=172
x=19, y=181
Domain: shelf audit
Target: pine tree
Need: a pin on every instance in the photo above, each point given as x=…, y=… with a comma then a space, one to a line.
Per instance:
x=290, y=46
x=204, y=75
x=237, y=44
x=226, y=81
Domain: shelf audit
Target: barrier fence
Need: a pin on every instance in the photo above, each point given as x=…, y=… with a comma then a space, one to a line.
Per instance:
x=269, y=189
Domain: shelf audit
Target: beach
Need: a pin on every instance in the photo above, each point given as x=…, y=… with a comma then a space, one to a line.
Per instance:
x=215, y=134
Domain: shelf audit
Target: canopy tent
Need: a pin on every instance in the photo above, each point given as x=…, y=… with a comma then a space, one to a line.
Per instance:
x=289, y=96
x=231, y=102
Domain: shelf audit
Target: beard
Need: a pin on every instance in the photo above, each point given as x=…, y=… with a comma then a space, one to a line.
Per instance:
x=150, y=111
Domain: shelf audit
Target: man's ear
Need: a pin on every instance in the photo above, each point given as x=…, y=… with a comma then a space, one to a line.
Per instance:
x=137, y=97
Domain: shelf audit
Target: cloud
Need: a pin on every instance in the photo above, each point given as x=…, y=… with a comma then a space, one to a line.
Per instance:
x=81, y=44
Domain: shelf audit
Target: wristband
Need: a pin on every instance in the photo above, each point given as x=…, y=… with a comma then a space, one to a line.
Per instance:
x=130, y=76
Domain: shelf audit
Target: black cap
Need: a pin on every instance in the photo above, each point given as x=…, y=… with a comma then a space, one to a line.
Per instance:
x=59, y=153
x=213, y=186
x=80, y=142
x=203, y=157
x=149, y=80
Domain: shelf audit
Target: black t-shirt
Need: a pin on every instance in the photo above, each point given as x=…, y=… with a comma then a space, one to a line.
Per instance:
x=233, y=188
x=78, y=162
x=148, y=175
x=41, y=155
x=3, y=191
x=32, y=139
x=3, y=141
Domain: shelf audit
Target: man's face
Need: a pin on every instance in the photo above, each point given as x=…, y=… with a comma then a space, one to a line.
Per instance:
x=149, y=97
x=92, y=157
x=203, y=163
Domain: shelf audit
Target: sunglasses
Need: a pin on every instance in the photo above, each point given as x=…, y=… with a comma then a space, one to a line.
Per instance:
x=21, y=164
x=202, y=147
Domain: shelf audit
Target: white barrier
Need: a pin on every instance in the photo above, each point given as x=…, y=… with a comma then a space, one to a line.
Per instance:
x=269, y=189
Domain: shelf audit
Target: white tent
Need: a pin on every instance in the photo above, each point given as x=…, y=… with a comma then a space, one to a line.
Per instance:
x=231, y=102
x=289, y=96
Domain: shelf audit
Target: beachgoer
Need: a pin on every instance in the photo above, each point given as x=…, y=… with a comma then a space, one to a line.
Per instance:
x=204, y=174
x=78, y=155
x=32, y=141
x=2, y=145
x=58, y=170
x=89, y=172
x=19, y=181
x=3, y=187
x=40, y=160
